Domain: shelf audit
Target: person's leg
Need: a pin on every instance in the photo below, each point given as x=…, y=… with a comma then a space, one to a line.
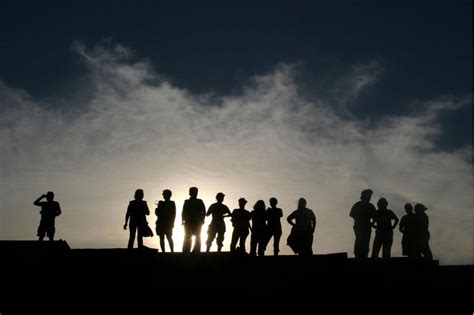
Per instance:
x=243, y=240
x=169, y=237
x=162, y=242
x=387, y=246
x=220, y=238
x=211, y=235
x=41, y=233
x=377, y=245
x=140, y=237
x=197, y=243
x=426, y=250
x=132, y=229
x=187, y=239
x=276, y=242
x=253, y=244
x=233, y=241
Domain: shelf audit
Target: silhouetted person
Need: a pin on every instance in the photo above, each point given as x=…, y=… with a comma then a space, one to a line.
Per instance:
x=193, y=216
x=303, y=222
x=407, y=227
x=274, y=215
x=259, y=236
x=136, y=217
x=363, y=212
x=241, y=223
x=165, y=216
x=218, y=211
x=422, y=234
x=50, y=209
x=384, y=229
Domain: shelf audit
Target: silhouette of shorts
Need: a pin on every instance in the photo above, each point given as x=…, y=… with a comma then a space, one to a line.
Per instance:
x=46, y=230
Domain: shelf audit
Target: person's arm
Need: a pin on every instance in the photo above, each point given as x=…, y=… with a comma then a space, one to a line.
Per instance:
x=352, y=213
x=127, y=216
x=280, y=213
x=58, y=209
x=173, y=212
x=290, y=218
x=209, y=211
x=394, y=217
x=147, y=210
x=401, y=227
x=37, y=201
x=227, y=212
x=203, y=212
x=313, y=222
x=373, y=215
x=184, y=213
x=158, y=207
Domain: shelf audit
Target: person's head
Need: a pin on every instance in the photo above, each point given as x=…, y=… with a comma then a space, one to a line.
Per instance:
x=242, y=203
x=408, y=208
x=50, y=196
x=193, y=192
x=420, y=208
x=273, y=202
x=259, y=205
x=366, y=194
x=382, y=203
x=167, y=194
x=220, y=197
x=139, y=194
x=301, y=203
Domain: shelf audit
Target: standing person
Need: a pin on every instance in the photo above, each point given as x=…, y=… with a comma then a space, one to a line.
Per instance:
x=303, y=222
x=363, y=213
x=273, y=216
x=165, y=216
x=218, y=211
x=192, y=217
x=384, y=229
x=136, y=212
x=259, y=229
x=407, y=228
x=241, y=223
x=422, y=234
x=50, y=209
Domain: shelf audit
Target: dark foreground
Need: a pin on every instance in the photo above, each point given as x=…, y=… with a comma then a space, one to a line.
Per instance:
x=44, y=276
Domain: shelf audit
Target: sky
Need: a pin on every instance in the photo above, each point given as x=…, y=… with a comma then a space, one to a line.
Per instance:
x=284, y=99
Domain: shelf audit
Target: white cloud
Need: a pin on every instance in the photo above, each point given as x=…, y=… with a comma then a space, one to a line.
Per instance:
x=137, y=130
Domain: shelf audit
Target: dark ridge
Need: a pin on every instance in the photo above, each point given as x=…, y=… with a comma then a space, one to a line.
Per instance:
x=47, y=272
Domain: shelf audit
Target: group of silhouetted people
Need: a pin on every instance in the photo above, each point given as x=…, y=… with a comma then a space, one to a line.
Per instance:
x=262, y=224
x=414, y=226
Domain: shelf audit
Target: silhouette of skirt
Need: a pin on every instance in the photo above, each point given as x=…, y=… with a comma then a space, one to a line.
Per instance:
x=300, y=241
x=146, y=230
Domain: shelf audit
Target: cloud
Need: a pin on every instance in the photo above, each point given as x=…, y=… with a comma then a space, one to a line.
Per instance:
x=131, y=128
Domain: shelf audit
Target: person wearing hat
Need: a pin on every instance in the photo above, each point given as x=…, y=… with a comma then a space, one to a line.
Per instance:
x=218, y=211
x=422, y=234
x=273, y=216
x=241, y=223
